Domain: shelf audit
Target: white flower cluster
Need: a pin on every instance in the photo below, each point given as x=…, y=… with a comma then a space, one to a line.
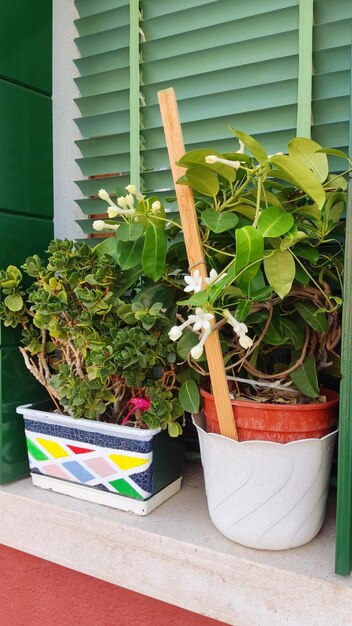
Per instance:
x=201, y=320
x=124, y=206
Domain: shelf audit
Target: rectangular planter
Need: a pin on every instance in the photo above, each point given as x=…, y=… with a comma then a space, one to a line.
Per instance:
x=125, y=468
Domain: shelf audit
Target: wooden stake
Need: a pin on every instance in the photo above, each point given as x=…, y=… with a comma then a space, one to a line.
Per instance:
x=184, y=194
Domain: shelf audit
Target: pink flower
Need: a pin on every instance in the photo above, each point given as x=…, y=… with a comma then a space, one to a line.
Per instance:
x=137, y=403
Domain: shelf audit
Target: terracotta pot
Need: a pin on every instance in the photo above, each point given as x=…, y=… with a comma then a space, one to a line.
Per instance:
x=276, y=422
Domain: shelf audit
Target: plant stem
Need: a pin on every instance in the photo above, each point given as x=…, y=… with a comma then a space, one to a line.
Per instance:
x=257, y=208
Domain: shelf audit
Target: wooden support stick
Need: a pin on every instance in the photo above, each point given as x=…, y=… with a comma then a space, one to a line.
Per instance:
x=184, y=194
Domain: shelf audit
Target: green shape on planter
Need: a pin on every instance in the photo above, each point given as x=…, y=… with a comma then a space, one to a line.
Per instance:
x=35, y=452
x=124, y=488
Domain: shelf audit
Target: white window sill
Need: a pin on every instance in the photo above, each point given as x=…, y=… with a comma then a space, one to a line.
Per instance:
x=175, y=554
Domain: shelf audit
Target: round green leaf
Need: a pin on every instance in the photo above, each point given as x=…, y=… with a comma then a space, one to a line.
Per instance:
x=280, y=270
x=129, y=232
x=203, y=180
x=219, y=222
x=274, y=222
x=14, y=303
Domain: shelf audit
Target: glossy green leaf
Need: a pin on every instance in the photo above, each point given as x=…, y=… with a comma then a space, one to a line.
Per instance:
x=198, y=299
x=129, y=232
x=249, y=253
x=305, y=377
x=14, y=302
x=248, y=210
x=202, y=180
x=312, y=316
x=302, y=177
x=219, y=222
x=189, y=396
x=131, y=277
x=305, y=151
x=293, y=332
x=242, y=310
x=197, y=157
x=274, y=222
x=107, y=246
x=280, y=269
x=307, y=252
x=302, y=276
x=129, y=253
x=253, y=146
x=154, y=252
x=334, y=152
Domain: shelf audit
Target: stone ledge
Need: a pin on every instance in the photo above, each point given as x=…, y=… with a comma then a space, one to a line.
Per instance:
x=175, y=554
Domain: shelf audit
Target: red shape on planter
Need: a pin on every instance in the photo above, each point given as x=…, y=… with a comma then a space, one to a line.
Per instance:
x=78, y=450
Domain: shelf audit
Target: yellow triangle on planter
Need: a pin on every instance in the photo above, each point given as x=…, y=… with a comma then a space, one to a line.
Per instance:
x=127, y=462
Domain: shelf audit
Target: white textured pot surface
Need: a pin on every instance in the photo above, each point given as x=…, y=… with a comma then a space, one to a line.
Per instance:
x=263, y=494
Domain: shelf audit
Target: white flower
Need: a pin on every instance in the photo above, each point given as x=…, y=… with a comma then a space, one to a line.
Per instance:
x=121, y=201
x=156, y=206
x=241, y=148
x=113, y=212
x=176, y=331
x=131, y=189
x=202, y=320
x=211, y=158
x=245, y=341
x=101, y=225
x=130, y=201
x=194, y=282
x=198, y=349
x=240, y=329
x=212, y=276
x=103, y=194
x=98, y=225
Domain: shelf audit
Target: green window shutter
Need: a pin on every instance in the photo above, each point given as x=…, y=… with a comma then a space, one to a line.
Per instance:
x=332, y=73
x=243, y=64
x=229, y=63
x=103, y=82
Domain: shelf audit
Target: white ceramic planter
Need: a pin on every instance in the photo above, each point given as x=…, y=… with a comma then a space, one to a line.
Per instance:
x=266, y=495
x=126, y=468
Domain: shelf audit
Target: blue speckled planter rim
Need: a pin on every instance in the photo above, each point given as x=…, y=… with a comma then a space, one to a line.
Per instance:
x=38, y=412
x=92, y=438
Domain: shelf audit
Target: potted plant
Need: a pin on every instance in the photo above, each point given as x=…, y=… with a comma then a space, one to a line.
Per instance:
x=272, y=235
x=95, y=336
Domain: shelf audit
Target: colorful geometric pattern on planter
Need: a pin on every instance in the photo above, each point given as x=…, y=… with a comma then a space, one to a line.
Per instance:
x=124, y=466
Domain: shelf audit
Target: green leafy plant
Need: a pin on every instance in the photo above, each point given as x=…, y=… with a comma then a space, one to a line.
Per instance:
x=95, y=336
x=272, y=233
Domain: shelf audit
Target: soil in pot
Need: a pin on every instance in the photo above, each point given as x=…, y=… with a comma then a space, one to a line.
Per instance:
x=280, y=423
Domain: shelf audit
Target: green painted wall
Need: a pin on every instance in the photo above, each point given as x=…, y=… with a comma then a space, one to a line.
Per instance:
x=26, y=192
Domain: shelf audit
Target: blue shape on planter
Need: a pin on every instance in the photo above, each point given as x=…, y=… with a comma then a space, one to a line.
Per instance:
x=78, y=471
